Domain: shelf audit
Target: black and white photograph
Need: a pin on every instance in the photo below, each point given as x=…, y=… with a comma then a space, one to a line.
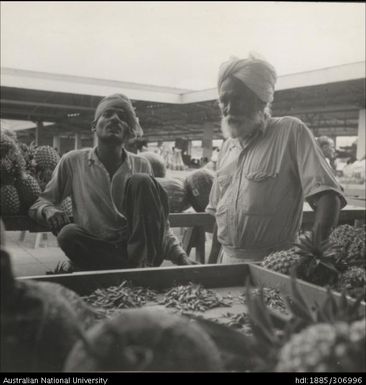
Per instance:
x=182, y=190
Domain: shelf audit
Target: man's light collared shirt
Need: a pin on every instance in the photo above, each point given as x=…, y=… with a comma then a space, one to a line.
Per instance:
x=96, y=197
x=260, y=187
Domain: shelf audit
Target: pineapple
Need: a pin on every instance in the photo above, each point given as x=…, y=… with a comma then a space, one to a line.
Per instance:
x=46, y=157
x=6, y=174
x=28, y=189
x=269, y=341
x=10, y=203
x=27, y=152
x=350, y=242
x=356, y=254
x=43, y=177
x=6, y=144
x=318, y=262
x=66, y=206
x=353, y=281
x=325, y=348
x=282, y=261
x=310, y=261
x=18, y=161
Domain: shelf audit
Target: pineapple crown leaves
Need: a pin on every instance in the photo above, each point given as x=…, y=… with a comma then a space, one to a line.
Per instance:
x=298, y=306
x=314, y=254
x=262, y=325
x=331, y=311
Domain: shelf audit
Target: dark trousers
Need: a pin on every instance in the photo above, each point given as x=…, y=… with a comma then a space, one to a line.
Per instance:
x=145, y=207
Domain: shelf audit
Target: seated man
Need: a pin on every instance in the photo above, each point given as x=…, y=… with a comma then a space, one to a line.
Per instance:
x=120, y=211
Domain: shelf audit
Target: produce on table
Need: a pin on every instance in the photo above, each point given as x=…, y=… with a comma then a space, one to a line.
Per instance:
x=27, y=169
x=123, y=296
x=18, y=172
x=317, y=261
x=272, y=298
x=269, y=341
x=12, y=162
x=357, y=251
x=198, y=187
x=28, y=190
x=9, y=200
x=353, y=282
x=143, y=340
x=193, y=297
x=312, y=262
x=339, y=262
x=66, y=206
x=324, y=347
x=45, y=157
x=282, y=261
x=177, y=197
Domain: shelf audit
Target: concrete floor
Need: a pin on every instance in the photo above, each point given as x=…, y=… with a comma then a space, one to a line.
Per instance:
x=28, y=260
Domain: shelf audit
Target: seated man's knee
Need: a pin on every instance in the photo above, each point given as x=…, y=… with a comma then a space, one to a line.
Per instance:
x=140, y=181
x=67, y=234
x=140, y=178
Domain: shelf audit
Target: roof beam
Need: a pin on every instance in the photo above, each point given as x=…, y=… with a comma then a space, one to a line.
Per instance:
x=298, y=80
x=43, y=104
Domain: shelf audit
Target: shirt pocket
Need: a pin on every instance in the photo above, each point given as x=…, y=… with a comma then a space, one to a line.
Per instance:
x=224, y=182
x=259, y=193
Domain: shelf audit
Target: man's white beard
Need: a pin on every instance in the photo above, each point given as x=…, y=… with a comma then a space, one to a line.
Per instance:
x=243, y=127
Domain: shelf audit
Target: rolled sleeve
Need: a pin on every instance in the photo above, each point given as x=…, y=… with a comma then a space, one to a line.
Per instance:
x=213, y=198
x=315, y=173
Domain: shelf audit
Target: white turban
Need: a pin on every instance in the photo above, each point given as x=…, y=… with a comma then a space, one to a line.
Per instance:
x=257, y=74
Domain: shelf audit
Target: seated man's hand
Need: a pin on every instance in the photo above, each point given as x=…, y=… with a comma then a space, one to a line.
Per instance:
x=56, y=219
x=185, y=261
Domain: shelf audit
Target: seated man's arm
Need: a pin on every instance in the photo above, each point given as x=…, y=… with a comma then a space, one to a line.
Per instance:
x=327, y=206
x=45, y=210
x=173, y=251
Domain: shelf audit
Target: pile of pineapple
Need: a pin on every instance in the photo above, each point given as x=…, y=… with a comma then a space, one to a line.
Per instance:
x=338, y=262
x=25, y=172
x=326, y=338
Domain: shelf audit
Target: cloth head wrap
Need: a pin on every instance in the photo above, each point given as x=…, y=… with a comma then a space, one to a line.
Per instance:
x=257, y=74
x=120, y=101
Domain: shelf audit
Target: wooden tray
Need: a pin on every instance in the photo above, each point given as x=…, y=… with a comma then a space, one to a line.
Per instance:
x=224, y=279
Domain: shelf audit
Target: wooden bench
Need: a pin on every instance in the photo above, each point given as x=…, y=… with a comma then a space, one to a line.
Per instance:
x=195, y=224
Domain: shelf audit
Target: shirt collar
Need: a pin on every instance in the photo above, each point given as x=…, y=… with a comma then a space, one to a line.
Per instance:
x=93, y=158
x=260, y=133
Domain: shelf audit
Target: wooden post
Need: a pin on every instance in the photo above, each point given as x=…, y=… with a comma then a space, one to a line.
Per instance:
x=36, y=133
x=56, y=142
x=77, y=142
x=189, y=148
x=361, y=134
x=207, y=140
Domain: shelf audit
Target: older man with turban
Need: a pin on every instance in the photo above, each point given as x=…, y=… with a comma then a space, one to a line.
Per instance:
x=120, y=212
x=266, y=168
